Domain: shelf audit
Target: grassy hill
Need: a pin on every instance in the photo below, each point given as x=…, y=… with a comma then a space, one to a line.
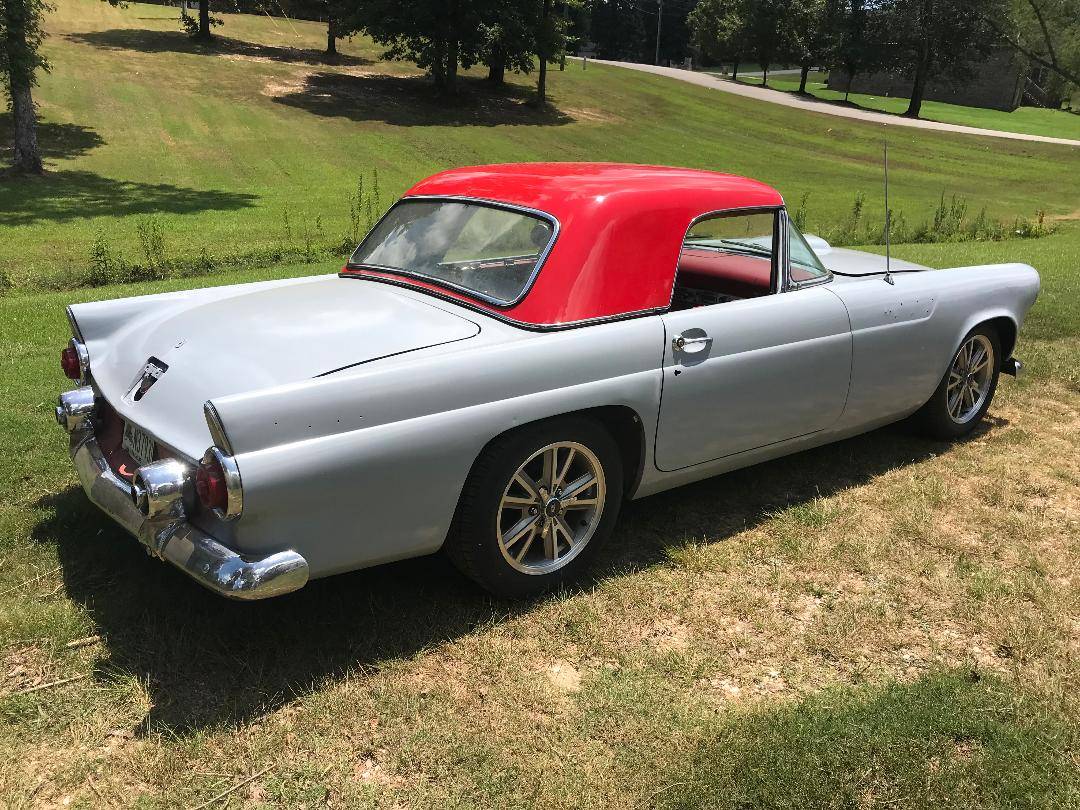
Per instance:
x=222, y=145
x=888, y=621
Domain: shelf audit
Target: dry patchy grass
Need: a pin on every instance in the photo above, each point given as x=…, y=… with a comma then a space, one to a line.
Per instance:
x=879, y=560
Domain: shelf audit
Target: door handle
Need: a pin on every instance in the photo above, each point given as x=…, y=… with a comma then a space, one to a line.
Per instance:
x=681, y=344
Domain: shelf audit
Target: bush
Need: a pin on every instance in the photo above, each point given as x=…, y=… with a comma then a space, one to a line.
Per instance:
x=948, y=222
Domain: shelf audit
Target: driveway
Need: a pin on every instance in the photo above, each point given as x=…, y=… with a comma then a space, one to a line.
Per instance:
x=828, y=108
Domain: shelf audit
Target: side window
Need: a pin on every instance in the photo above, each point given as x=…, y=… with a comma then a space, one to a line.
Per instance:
x=727, y=257
x=804, y=263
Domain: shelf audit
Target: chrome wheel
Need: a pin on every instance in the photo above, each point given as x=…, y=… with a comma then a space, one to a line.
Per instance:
x=550, y=509
x=970, y=375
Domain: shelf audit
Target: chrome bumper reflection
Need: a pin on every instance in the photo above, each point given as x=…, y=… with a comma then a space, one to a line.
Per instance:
x=170, y=537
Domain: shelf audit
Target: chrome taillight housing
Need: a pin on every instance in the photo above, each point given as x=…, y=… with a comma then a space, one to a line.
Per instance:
x=75, y=361
x=218, y=486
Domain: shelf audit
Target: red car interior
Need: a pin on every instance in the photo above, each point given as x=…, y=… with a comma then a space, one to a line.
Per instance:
x=730, y=274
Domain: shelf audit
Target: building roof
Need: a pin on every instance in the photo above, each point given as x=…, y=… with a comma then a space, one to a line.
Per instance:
x=621, y=228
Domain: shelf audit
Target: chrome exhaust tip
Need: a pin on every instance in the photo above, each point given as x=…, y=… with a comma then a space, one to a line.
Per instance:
x=158, y=490
x=74, y=408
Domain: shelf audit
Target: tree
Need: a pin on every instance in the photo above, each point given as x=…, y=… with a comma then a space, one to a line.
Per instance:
x=855, y=50
x=938, y=38
x=439, y=35
x=509, y=38
x=545, y=39
x=718, y=30
x=20, y=60
x=1045, y=31
x=812, y=34
x=765, y=30
x=618, y=29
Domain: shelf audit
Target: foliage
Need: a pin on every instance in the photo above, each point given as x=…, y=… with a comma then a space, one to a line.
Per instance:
x=937, y=38
x=302, y=243
x=618, y=30
x=948, y=222
x=1046, y=32
x=21, y=34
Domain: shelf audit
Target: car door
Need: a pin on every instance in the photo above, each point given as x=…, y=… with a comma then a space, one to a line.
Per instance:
x=747, y=373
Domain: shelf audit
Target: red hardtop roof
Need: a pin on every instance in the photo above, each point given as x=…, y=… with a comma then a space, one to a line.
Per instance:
x=621, y=228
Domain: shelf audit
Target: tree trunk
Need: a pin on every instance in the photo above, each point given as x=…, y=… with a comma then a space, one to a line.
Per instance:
x=438, y=67
x=204, y=21
x=331, y=34
x=765, y=75
x=542, y=54
x=918, y=86
x=497, y=68
x=847, y=88
x=735, y=71
x=451, y=66
x=27, y=156
x=803, y=74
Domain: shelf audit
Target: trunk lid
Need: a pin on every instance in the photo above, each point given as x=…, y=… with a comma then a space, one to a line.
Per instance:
x=204, y=346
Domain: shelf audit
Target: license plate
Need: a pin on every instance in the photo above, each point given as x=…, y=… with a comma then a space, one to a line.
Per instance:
x=138, y=443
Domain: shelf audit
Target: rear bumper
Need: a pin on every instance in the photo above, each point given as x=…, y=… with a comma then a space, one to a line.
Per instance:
x=173, y=539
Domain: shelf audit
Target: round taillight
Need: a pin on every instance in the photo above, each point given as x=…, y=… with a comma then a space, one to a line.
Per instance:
x=69, y=362
x=218, y=485
x=210, y=485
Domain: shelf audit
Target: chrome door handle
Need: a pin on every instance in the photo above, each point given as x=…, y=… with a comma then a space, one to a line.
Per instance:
x=680, y=343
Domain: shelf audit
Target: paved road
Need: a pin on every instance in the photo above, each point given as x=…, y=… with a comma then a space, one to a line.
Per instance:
x=803, y=103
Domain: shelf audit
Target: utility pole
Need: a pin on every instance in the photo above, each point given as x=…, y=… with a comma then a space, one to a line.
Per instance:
x=659, y=18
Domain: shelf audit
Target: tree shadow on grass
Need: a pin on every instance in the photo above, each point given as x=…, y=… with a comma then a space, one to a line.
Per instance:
x=55, y=140
x=67, y=195
x=412, y=101
x=209, y=662
x=150, y=41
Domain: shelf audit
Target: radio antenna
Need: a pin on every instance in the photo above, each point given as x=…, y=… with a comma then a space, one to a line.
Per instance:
x=888, y=223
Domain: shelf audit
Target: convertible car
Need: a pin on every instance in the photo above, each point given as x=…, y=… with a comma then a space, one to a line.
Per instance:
x=510, y=353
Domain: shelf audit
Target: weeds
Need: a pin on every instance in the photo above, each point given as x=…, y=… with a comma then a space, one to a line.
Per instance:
x=298, y=243
x=948, y=222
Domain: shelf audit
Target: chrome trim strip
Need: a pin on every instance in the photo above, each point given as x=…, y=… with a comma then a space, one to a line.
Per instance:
x=495, y=302
x=178, y=542
x=498, y=316
x=75, y=330
x=217, y=428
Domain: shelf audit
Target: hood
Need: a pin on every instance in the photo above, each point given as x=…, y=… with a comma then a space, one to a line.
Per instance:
x=216, y=342
x=858, y=263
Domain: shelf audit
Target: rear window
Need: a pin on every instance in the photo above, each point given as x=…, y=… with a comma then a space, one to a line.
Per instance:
x=486, y=250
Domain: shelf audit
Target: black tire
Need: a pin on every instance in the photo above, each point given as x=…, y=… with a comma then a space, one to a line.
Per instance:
x=474, y=540
x=935, y=419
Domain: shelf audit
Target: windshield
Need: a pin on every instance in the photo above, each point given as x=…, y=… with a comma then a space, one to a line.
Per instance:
x=488, y=251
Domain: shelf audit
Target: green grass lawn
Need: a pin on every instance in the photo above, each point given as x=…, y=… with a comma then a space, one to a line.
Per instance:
x=886, y=622
x=1029, y=120
x=220, y=146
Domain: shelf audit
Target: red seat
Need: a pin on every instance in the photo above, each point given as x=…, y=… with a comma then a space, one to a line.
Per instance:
x=731, y=274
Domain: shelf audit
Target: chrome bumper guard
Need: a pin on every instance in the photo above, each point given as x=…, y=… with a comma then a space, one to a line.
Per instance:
x=165, y=532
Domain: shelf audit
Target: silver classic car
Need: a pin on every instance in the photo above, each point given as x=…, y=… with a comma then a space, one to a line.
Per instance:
x=510, y=353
